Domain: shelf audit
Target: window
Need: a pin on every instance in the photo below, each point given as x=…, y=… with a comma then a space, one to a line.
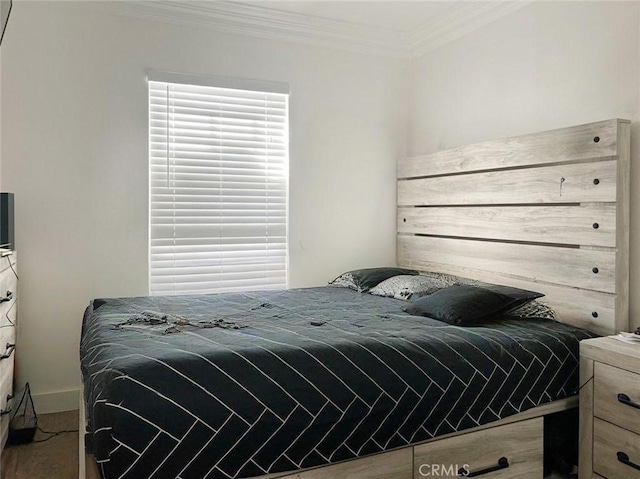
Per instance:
x=218, y=183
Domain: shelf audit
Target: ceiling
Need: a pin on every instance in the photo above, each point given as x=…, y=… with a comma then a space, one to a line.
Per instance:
x=401, y=29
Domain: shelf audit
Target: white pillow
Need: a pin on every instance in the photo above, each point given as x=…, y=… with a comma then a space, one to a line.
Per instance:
x=405, y=287
x=533, y=309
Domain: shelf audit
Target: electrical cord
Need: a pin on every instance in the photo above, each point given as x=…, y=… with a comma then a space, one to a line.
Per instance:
x=12, y=268
x=577, y=391
x=53, y=433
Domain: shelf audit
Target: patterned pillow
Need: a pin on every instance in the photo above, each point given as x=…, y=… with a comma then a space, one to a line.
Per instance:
x=534, y=309
x=411, y=287
x=364, y=279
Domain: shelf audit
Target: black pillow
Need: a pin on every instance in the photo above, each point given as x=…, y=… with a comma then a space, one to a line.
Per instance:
x=521, y=296
x=465, y=304
x=364, y=279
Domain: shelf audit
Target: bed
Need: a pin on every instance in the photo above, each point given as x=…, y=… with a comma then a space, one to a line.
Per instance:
x=266, y=384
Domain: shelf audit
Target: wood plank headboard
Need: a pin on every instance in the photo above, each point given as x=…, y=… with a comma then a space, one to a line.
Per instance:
x=547, y=212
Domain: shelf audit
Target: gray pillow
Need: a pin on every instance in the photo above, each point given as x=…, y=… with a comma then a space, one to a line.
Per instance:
x=411, y=287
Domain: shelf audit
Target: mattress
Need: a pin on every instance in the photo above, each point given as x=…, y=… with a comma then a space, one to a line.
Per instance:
x=243, y=384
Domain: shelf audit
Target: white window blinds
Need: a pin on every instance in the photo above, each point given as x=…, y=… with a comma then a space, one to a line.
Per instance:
x=218, y=170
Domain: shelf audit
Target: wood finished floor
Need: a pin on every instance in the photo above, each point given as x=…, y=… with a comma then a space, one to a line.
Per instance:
x=56, y=458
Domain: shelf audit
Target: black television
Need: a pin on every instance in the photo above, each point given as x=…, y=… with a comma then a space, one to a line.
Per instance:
x=5, y=10
x=6, y=221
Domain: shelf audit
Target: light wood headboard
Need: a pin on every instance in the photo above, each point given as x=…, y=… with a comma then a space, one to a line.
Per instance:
x=547, y=212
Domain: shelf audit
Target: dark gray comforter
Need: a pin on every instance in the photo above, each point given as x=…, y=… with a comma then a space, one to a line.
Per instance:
x=237, y=385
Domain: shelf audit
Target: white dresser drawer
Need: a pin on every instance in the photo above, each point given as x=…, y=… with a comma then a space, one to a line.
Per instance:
x=6, y=391
x=612, y=447
x=616, y=395
x=517, y=447
x=7, y=336
x=8, y=279
x=8, y=320
x=8, y=292
x=6, y=378
x=7, y=348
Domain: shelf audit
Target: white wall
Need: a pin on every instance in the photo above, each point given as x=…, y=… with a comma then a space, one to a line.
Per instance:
x=74, y=148
x=74, y=140
x=549, y=65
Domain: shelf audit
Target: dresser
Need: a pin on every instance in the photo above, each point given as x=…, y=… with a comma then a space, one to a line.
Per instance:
x=8, y=321
x=609, y=409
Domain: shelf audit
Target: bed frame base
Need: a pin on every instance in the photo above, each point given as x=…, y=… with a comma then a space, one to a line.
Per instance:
x=88, y=468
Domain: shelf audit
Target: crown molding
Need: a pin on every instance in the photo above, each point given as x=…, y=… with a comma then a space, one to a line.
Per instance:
x=264, y=22
x=458, y=21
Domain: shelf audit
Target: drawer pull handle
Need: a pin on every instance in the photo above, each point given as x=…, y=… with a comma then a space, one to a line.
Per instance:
x=503, y=463
x=8, y=351
x=8, y=297
x=4, y=412
x=624, y=399
x=624, y=459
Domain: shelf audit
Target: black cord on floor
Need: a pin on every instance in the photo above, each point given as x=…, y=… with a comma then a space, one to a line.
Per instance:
x=53, y=433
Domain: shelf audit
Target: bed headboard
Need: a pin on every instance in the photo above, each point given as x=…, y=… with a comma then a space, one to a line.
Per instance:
x=547, y=212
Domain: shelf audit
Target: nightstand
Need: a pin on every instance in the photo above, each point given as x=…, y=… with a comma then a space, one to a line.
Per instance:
x=609, y=409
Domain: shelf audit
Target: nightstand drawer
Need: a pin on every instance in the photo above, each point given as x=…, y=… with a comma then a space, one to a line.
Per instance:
x=617, y=396
x=612, y=447
x=517, y=447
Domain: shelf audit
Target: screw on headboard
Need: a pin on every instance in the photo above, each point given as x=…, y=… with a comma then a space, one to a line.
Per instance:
x=595, y=270
x=596, y=181
x=594, y=314
x=596, y=226
x=596, y=139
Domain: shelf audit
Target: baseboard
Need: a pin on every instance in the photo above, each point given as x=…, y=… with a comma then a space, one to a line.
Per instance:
x=57, y=401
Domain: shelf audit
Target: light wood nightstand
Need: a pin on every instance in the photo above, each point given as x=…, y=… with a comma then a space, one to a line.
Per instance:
x=609, y=409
